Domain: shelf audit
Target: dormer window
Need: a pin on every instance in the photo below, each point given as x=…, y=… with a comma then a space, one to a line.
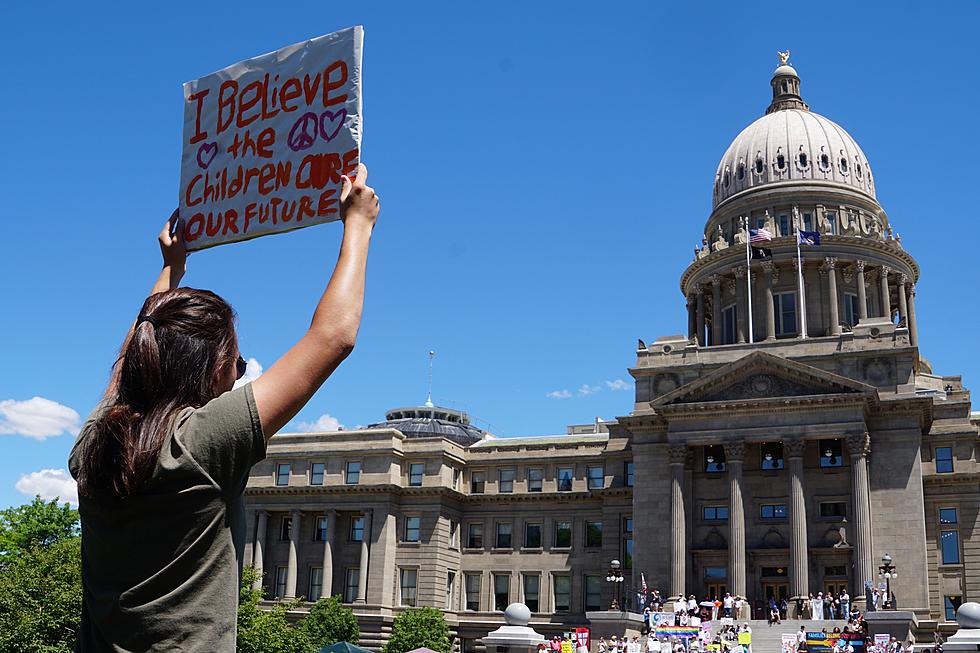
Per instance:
x=760, y=165
x=740, y=170
x=857, y=169
x=802, y=160
x=780, y=162
x=842, y=164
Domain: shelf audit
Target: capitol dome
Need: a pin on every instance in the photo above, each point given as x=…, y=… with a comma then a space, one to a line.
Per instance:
x=791, y=144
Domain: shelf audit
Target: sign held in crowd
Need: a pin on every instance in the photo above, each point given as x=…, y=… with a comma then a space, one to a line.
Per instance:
x=266, y=141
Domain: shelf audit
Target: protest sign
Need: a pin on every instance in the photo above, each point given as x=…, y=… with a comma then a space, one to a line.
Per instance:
x=881, y=642
x=658, y=618
x=266, y=140
x=582, y=638
x=566, y=647
x=744, y=638
x=788, y=643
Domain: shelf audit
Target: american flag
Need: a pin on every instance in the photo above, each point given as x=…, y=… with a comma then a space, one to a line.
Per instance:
x=760, y=235
x=643, y=581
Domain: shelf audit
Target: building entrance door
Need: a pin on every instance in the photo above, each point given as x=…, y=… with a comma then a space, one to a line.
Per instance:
x=776, y=590
x=716, y=590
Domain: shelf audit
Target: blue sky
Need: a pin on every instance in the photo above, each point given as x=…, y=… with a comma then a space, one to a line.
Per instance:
x=545, y=168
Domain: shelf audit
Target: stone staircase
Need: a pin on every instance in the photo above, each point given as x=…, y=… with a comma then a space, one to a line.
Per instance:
x=768, y=639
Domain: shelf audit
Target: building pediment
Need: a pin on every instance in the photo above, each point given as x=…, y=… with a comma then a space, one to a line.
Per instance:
x=759, y=376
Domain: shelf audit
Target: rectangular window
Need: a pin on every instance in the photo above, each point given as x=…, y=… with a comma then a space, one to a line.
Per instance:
x=951, y=604
x=532, y=536
x=457, y=478
x=356, y=529
x=851, y=312
x=478, y=482
x=284, y=527
x=453, y=534
x=714, y=459
x=535, y=479
x=316, y=473
x=350, y=584
x=831, y=217
x=729, y=321
x=628, y=475
x=563, y=535
x=597, y=477
x=628, y=543
x=504, y=535
x=565, y=476
x=501, y=592
x=808, y=222
x=949, y=536
x=413, y=527
x=532, y=583
x=506, y=481
x=783, y=224
x=280, y=582
x=760, y=222
x=450, y=589
x=593, y=534
x=474, y=536
x=715, y=573
x=562, y=593
x=833, y=509
x=944, y=460
x=784, y=306
x=409, y=580
x=316, y=583
x=416, y=472
x=714, y=513
x=320, y=534
x=772, y=455
x=472, y=589
x=353, y=473
x=593, y=593
x=773, y=511
x=835, y=571
x=282, y=474
x=831, y=453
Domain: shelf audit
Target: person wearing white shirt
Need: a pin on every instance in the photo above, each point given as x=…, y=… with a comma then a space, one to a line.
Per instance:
x=692, y=605
x=728, y=603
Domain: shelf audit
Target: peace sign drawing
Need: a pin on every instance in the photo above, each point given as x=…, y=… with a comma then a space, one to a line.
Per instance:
x=304, y=132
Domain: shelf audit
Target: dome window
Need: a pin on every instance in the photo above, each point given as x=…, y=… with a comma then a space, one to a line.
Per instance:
x=780, y=162
x=760, y=165
x=802, y=160
x=740, y=170
x=824, y=162
x=857, y=169
x=842, y=164
x=728, y=177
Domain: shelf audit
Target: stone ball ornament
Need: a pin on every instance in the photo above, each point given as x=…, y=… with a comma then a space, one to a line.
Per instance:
x=518, y=614
x=968, y=616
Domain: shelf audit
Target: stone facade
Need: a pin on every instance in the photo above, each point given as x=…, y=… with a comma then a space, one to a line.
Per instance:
x=761, y=456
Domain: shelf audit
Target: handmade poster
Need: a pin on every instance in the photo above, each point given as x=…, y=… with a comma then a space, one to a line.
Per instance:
x=881, y=642
x=266, y=141
x=745, y=638
x=658, y=618
x=788, y=643
x=566, y=647
x=582, y=638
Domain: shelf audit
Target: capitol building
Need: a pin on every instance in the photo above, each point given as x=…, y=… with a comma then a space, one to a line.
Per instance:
x=791, y=436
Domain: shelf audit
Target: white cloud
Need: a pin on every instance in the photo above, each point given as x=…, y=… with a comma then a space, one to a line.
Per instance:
x=618, y=384
x=325, y=422
x=252, y=371
x=37, y=418
x=585, y=390
x=559, y=394
x=49, y=484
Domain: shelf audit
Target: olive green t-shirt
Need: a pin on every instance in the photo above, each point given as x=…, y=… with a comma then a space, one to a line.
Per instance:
x=161, y=568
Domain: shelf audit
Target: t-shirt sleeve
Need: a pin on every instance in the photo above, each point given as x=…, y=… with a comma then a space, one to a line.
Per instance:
x=225, y=438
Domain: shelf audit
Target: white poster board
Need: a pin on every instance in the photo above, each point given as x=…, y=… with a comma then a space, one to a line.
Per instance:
x=266, y=140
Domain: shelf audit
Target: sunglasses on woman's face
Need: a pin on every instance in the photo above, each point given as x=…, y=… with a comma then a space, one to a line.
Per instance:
x=240, y=366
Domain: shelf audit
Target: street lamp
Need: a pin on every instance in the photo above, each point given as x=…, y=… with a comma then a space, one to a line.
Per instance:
x=887, y=571
x=615, y=575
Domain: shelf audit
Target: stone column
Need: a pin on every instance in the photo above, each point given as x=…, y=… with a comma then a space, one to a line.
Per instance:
x=717, y=329
x=692, y=317
x=886, y=306
x=362, y=571
x=858, y=447
x=769, y=271
x=734, y=457
x=677, y=457
x=799, y=571
x=294, y=525
x=262, y=523
x=903, y=307
x=800, y=299
x=862, y=291
x=699, y=295
x=741, y=304
x=830, y=269
x=331, y=521
x=913, y=327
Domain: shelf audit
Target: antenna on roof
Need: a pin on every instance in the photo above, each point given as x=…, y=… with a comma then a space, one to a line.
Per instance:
x=428, y=399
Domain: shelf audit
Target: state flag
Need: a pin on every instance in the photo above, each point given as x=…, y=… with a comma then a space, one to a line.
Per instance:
x=808, y=237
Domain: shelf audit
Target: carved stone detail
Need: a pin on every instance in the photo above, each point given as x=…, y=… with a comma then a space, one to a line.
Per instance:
x=677, y=454
x=739, y=271
x=734, y=451
x=859, y=444
x=830, y=263
x=794, y=448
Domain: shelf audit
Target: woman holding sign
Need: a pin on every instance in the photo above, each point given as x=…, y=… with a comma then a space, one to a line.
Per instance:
x=162, y=462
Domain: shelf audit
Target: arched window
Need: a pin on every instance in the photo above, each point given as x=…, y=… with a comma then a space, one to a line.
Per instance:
x=842, y=164
x=740, y=170
x=760, y=165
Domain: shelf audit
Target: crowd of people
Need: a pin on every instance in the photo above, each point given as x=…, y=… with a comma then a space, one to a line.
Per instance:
x=819, y=607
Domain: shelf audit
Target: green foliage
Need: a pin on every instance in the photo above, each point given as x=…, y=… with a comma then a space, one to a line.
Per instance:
x=331, y=621
x=417, y=627
x=41, y=598
x=38, y=523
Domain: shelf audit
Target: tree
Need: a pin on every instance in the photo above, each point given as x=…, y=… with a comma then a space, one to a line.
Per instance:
x=330, y=621
x=38, y=523
x=266, y=631
x=417, y=627
x=41, y=598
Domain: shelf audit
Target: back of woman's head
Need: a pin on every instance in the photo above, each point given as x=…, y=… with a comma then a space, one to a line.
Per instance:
x=178, y=355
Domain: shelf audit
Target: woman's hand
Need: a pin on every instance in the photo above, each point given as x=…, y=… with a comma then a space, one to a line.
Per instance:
x=358, y=202
x=172, y=245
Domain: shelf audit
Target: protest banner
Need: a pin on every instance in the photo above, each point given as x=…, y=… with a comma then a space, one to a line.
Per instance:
x=566, y=647
x=745, y=638
x=582, y=638
x=788, y=643
x=677, y=631
x=266, y=140
x=727, y=621
x=658, y=618
x=881, y=642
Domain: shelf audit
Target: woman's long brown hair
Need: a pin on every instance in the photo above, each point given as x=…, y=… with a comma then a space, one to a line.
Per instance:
x=177, y=356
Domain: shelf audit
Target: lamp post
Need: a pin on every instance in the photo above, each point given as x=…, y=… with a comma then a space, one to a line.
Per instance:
x=616, y=577
x=887, y=571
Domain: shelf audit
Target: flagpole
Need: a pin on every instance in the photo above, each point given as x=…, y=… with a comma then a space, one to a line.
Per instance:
x=799, y=271
x=748, y=266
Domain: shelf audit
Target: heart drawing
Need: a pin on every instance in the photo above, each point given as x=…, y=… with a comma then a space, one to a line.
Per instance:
x=330, y=123
x=206, y=154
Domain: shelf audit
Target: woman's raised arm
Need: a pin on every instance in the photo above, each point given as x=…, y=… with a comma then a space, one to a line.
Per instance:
x=285, y=388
